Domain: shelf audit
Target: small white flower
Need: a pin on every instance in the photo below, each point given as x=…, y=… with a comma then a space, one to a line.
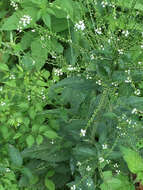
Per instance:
x=7, y=170
x=137, y=92
x=128, y=80
x=3, y=103
x=83, y=132
x=139, y=62
x=128, y=71
x=80, y=25
x=142, y=46
x=29, y=97
x=33, y=30
x=101, y=159
x=134, y=111
x=120, y=51
x=52, y=142
x=14, y=5
x=126, y=33
x=98, y=82
x=12, y=77
x=1, y=88
x=73, y=187
x=58, y=72
x=118, y=171
x=88, y=184
x=98, y=31
x=92, y=57
x=108, y=161
x=71, y=68
x=116, y=165
x=78, y=163
x=104, y=146
x=88, y=168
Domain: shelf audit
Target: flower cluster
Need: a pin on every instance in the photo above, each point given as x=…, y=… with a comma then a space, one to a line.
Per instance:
x=14, y=5
x=58, y=72
x=98, y=31
x=137, y=92
x=80, y=25
x=126, y=33
x=24, y=21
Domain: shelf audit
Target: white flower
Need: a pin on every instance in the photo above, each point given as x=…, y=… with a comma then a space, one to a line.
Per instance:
x=58, y=72
x=71, y=68
x=128, y=80
x=116, y=165
x=88, y=168
x=127, y=71
x=120, y=51
x=88, y=184
x=82, y=132
x=92, y=57
x=12, y=77
x=118, y=171
x=23, y=22
x=78, y=163
x=98, y=31
x=101, y=159
x=80, y=25
x=14, y=5
x=1, y=88
x=108, y=161
x=142, y=46
x=3, y=103
x=137, y=92
x=104, y=4
x=139, y=62
x=126, y=33
x=134, y=111
x=104, y=146
x=73, y=187
x=7, y=170
x=29, y=97
x=98, y=82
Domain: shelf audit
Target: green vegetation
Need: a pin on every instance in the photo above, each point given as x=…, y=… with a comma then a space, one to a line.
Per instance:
x=71, y=94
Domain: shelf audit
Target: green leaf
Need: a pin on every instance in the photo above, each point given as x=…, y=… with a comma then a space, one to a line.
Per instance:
x=51, y=134
x=49, y=184
x=133, y=159
x=11, y=22
x=39, y=53
x=39, y=139
x=47, y=19
x=30, y=140
x=27, y=62
x=50, y=173
x=3, y=67
x=15, y=156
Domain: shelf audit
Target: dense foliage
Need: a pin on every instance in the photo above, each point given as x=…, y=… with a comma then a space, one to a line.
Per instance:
x=71, y=94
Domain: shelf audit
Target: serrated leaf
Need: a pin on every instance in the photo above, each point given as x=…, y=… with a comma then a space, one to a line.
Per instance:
x=15, y=156
x=39, y=139
x=51, y=134
x=30, y=140
x=3, y=67
x=133, y=159
x=49, y=184
x=47, y=20
x=11, y=22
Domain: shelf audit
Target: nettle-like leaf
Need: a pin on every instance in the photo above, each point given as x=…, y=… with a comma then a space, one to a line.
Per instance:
x=133, y=159
x=15, y=156
x=11, y=22
x=39, y=53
